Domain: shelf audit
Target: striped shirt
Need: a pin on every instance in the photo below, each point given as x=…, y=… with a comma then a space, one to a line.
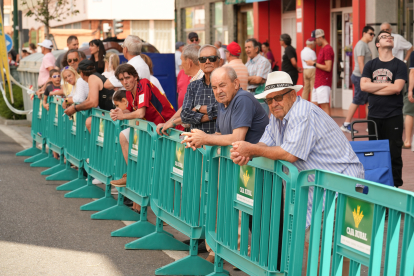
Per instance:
x=308, y=133
x=258, y=66
x=241, y=71
x=199, y=93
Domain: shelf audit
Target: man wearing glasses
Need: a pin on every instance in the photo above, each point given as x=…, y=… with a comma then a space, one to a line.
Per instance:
x=384, y=79
x=362, y=54
x=193, y=38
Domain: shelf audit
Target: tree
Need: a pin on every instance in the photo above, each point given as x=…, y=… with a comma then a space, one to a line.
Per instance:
x=45, y=11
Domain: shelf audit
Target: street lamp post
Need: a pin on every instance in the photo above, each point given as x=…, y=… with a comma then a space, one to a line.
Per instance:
x=15, y=26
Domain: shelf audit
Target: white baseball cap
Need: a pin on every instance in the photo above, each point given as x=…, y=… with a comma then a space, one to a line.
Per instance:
x=46, y=43
x=277, y=81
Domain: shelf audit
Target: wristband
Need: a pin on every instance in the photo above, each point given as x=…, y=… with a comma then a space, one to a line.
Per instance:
x=74, y=106
x=405, y=61
x=174, y=125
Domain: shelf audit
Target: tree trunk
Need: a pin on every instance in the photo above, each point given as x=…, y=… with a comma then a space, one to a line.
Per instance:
x=47, y=32
x=47, y=25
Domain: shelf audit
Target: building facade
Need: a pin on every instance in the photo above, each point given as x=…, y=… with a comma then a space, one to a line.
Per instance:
x=145, y=19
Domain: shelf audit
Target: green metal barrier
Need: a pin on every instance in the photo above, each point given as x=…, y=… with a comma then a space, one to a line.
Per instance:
x=38, y=132
x=357, y=226
x=178, y=197
x=56, y=134
x=254, y=193
x=138, y=188
x=105, y=160
x=75, y=140
x=35, y=129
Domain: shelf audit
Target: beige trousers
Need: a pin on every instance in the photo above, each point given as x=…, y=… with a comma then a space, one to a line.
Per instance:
x=309, y=82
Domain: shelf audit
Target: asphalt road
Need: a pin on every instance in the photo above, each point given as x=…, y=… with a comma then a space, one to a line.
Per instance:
x=43, y=233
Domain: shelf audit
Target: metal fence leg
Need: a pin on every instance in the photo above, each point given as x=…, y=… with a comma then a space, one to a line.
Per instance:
x=77, y=183
x=158, y=240
x=64, y=175
x=57, y=168
x=38, y=156
x=30, y=151
x=49, y=161
x=218, y=267
x=138, y=229
x=117, y=212
x=87, y=191
x=190, y=265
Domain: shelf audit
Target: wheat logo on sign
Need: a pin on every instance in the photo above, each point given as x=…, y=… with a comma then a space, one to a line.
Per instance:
x=246, y=178
x=358, y=215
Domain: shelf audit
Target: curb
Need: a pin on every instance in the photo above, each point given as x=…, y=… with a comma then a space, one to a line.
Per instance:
x=8, y=122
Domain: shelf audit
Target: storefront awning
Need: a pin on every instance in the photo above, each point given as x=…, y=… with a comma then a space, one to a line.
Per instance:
x=252, y=1
x=232, y=2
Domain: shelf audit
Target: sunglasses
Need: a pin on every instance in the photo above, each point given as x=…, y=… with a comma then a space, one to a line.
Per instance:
x=210, y=58
x=277, y=98
x=55, y=76
x=65, y=68
x=194, y=40
x=371, y=34
x=74, y=60
x=387, y=37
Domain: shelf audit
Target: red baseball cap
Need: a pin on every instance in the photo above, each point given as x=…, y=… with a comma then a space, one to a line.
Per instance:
x=234, y=49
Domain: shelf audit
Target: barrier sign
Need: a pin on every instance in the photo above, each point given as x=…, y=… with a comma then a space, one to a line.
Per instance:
x=179, y=159
x=101, y=131
x=357, y=227
x=134, y=150
x=245, y=187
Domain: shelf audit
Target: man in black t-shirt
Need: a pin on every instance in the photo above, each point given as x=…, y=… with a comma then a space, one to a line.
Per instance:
x=384, y=79
x=289, y=58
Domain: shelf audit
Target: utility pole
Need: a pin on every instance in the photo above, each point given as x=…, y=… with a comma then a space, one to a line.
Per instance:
x=15, y=26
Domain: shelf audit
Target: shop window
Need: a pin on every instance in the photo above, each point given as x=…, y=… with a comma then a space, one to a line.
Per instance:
x=341, y=3
x=289, y=5
x=219, y=28
x=6, y=19
x=140, y=28
x=163, y=35
x=195, y=22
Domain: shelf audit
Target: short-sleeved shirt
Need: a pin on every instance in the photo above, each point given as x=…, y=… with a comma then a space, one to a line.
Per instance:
x=361, y=49
x=48, y=61
x=80, y=91
x=177, y=62
x=311, y=135
x=323, y=78
x=385, y=72
x=182, y=83
x=400, y=44
x=159, y=109
x=51, y=88
x=270, y=57
x=287, y=66
x=241, y=71
x=243, y=111
x=258, y=66
x=307, y=54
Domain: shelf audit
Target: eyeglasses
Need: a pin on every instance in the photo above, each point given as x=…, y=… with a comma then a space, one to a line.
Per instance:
x=277, y=98
x=387, y=37
x=74, y=60
x=210, y=58
x=55, y=76
x=194, y=40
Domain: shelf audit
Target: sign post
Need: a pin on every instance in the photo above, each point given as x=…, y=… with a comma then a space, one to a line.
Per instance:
x=9, y=43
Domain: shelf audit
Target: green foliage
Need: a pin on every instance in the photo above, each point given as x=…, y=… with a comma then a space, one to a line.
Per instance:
x=46, y=10
x=5, y=112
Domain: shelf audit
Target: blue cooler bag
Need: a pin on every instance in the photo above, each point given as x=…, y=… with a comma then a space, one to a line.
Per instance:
x=374, y=155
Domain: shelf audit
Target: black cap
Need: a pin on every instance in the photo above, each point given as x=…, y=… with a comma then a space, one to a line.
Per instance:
x=86, y=65
x=192, y=35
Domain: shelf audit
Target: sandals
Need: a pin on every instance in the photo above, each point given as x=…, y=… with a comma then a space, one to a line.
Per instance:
x=405, y=147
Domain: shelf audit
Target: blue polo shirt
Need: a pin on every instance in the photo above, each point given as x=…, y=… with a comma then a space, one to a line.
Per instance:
x=243, y=111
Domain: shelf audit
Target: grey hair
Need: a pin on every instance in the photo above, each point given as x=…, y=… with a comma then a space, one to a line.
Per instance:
x=206, y=46
x=191, y=52
x=219, y=43
x=134, y=44
x=229, y=71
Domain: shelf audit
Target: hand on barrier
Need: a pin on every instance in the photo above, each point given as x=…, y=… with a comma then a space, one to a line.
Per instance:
x=240, y=153
x=70, y=110
x=116, y=114
x=162, y=128
x=46, y=107
x=194, y=139
x=64, y=106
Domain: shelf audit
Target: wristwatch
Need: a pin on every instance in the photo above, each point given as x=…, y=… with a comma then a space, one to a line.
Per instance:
x=314, y=65
x=197, y=108
x=74, y=106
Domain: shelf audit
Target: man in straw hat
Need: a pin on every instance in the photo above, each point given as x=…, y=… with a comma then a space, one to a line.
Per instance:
x=301, y=133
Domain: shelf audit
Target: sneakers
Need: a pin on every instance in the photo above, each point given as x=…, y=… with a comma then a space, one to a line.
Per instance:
x=96, y=182
x=120, y=182
x=348, y=129
x=114, y=191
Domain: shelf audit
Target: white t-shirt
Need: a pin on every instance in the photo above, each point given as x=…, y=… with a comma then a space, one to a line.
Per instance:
x=307, y=54
x=139, y=65
x=400, y=44
x=177, y=62
x=81, y=92
x=222, y=53
x=157, y=84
